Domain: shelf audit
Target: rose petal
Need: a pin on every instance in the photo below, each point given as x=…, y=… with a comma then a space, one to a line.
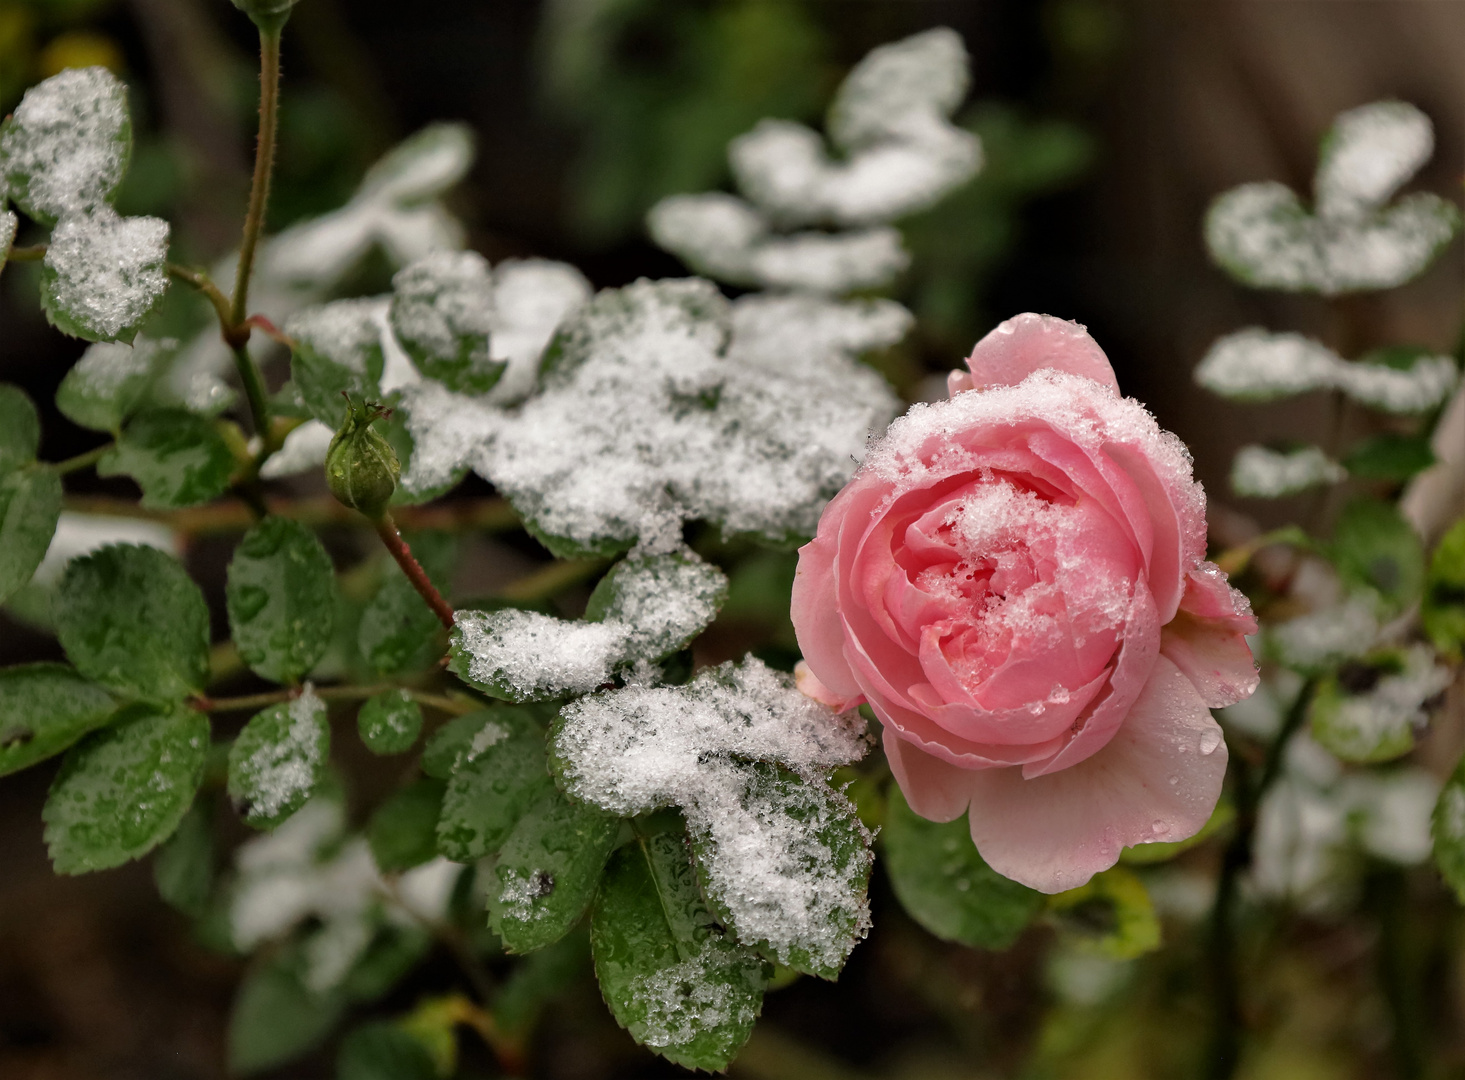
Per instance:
x=810, y=686
x=958, y=382
x=935, y=790
x=1207, y=638
x=1029, y=342
x=1157, y=779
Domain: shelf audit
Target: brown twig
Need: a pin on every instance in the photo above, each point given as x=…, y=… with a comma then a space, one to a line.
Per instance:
x=386, y=528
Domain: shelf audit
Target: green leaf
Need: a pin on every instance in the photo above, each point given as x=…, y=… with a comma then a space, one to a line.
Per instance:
x=278, y=759
x=390, y=722
x=499, y=775
x=442, y=314
x=381, y=1051
x=282, y=599
x=1447, y=827
x=123, y=790
x=30, y=506
x=449, y=744
x=1349, y=728
x=538, y=979
x=183, y=868
x=131, y=619
x=823, y=853
x=1112, y=915
x=20, y=429
x=398, y=631
x=403, y=830
x=66, y=147
x=337, y=351
x=1390, y=457
x=276, y=1019
x=547, y=871
x=178, y=458
x=103, y=275
x=669, y=975
x=110, y=382
x=665, y=600
x=44, y=708
x=946, y=886
x=1443, y=608
x=1375, y=549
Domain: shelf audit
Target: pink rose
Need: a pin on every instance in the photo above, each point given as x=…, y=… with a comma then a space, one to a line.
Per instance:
x=1014, y=581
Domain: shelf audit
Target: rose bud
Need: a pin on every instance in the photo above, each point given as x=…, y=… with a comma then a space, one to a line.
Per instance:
x=361, y=467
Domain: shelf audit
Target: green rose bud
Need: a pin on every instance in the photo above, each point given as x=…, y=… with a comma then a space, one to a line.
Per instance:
x=268, y=15
x=361, y=466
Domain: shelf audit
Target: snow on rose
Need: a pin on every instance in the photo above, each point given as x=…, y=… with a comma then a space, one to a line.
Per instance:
x=1014, y=581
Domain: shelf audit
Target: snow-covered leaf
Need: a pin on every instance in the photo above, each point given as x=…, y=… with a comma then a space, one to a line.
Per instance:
x=278, y=759
x=725, y=238
x=1370, y=711
x=647, y=607
x=104, y=274
x=338, y=350
x=547, y=871
x=1262, y=473
x=132, y=619
x=178, y=458
x=1263, y=235
x=110, y=382
x=782, y=854
x=646, y=418
x=499, y=773
x=665, y=969
x=442, y=313
x=66, y=147
x=123, y=790
x=389, y=722
x=1322, y=640
x=1256, y=365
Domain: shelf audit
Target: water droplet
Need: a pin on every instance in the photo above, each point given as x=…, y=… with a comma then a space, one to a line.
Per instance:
x=1209, y=740
x=963, y=885
x=1174, y=780
x=1160, y=828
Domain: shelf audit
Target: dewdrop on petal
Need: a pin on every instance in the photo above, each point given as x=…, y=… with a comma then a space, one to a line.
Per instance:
x=361, y=467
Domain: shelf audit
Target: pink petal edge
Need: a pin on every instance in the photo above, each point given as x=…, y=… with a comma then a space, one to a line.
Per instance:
x=1026, y=343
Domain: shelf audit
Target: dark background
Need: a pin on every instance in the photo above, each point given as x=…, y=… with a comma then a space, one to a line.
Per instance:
x=1172, y=102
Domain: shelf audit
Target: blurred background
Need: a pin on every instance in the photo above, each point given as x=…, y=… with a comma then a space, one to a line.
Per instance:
x=1108, y=126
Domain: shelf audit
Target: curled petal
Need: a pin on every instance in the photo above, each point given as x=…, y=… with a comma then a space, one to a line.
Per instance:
x=810, y=686
x=1157, y=779
x=1029, y=342
x=934, y=789
x=1207, y=638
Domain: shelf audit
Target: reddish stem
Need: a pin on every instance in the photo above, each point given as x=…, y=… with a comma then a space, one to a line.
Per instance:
x=386, y=528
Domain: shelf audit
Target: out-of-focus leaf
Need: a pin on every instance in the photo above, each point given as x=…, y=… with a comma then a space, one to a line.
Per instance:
x=1389, y=457
x=1374, y=548
x=403, y=830
x=44, y=708
x=177, y=457
x=275, y=1019
x=381, y=1051
x=183, y=868
x=1443, y=607
x=1112, y=915
x=30, y=506
x=20, y=429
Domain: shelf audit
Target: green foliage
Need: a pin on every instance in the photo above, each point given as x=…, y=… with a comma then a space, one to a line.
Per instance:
x=131, y=619
x=1390, y=457
x=30, y=506
x=183, y=868
x=177, y=457
x=669, y=975
x=1443, y=608
x=390, y=722
x=20, y=429
x=403, y=830
x=383, y=1051
x=945, y=885
x=500, y=773
x=123, y=790
x=276, y=1019
x=1447, y=828
x=1359, y=730
x=1376, y=550
x=281, y=598
x=108, y=384
x=547, y=871
x=278, y=759
x=1112, y=915
x=44, y=708
x=398, y=631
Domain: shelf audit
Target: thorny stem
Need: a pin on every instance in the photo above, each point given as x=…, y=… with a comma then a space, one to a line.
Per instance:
x=471, y=515
x=386, y=528
x=1225, y=1048
x=254, y=387
x=197, y=279
x=249, y=702
x=264, y=164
